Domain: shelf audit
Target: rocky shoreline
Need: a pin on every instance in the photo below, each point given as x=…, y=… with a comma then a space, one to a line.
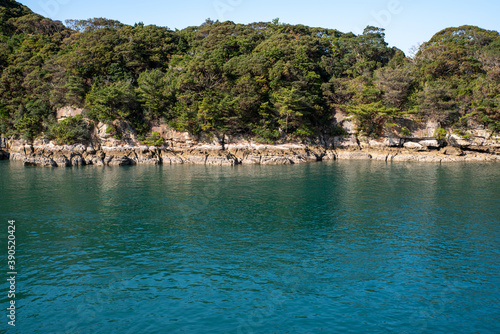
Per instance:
x=476, y=144
x=49, y=155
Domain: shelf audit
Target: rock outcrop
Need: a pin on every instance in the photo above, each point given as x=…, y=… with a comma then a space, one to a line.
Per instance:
x=247, y=153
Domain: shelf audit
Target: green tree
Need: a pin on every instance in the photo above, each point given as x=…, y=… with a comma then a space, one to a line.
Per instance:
x=156, y=92
x=371, y=118
x=290, y=108
x=33, y=118
x=214, y=114
x=108, y=103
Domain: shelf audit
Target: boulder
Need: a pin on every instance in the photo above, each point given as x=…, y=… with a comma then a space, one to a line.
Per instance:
x=62, y=161
x=454, y=151
x=412, y=145
x=432, y=143
x=392, y=142
x=342, y=142
x=119, y=161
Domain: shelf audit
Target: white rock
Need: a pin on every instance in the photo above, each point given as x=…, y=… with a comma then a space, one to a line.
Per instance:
x=412, y=145
x=429, y=143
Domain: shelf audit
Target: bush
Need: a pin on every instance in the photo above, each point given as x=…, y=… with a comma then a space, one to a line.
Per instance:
x=153, y=140
x=405, y=132
x=70, y=131
x=461, y=133
x=440, y=133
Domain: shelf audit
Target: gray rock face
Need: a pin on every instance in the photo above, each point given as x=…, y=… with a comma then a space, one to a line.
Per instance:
x=221, y=161
x=251, y=160
x=172, y=160
x=197, y=160
x=119, y=161
x=329, y=156
x=354, y=155
x=77, y=161
x=47, y=154
x=39, y=162
x=275, y=160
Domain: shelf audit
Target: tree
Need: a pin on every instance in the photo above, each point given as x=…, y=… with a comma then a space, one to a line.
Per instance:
x=156, y=93
x=214, y=113
x=371, y=118
x=436, y=102
x=289, y=105
x=33, y=118
x=395, y=83
x=107, y=103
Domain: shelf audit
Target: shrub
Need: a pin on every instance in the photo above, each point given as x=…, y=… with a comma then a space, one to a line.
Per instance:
x=440, y=133
x=70, y=131
x=462, y=133
x=153, y=140
x=405, y=132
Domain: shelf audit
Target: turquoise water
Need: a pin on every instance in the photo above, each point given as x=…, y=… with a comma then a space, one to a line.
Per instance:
x=336, y=247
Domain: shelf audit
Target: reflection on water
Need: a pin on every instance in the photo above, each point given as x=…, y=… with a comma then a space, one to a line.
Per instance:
x=350, y=246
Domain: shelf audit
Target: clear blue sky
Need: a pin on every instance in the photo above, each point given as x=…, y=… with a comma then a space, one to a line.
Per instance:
x=407, y=22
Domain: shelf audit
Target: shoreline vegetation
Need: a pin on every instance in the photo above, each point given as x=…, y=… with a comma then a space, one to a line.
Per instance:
x=99, y=92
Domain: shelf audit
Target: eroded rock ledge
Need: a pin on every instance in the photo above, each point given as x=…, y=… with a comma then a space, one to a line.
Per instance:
x=50, y=155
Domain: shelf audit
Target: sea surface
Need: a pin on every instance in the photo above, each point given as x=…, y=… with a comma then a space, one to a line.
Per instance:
x=332, y=247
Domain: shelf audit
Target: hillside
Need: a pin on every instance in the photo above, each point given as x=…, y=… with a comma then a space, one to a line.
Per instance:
x=269, y=81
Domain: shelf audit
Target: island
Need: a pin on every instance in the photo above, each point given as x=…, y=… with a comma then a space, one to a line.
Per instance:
x=99, y=92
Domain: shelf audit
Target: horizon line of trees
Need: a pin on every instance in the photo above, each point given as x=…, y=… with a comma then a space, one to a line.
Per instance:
x=269, y=80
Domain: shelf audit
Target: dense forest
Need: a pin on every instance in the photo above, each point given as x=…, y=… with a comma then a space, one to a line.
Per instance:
x=272, y=81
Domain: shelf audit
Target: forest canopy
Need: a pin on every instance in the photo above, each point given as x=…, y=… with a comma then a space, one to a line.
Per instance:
x=270, y=80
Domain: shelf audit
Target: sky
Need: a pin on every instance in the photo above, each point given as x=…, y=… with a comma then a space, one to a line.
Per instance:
x=407, y=23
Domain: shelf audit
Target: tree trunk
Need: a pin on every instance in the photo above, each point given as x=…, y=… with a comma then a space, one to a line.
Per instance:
x=222, y=141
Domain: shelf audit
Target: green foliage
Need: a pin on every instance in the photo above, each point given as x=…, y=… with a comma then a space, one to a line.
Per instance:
x=289, y=105
x=371, y=118
x=440, y=133
x=32, y=119
x=70, y=131
x=154, y=139
x=268, y=79
x=156, y=92
x=405, y=132
x=110, y=102
x=461, y=133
